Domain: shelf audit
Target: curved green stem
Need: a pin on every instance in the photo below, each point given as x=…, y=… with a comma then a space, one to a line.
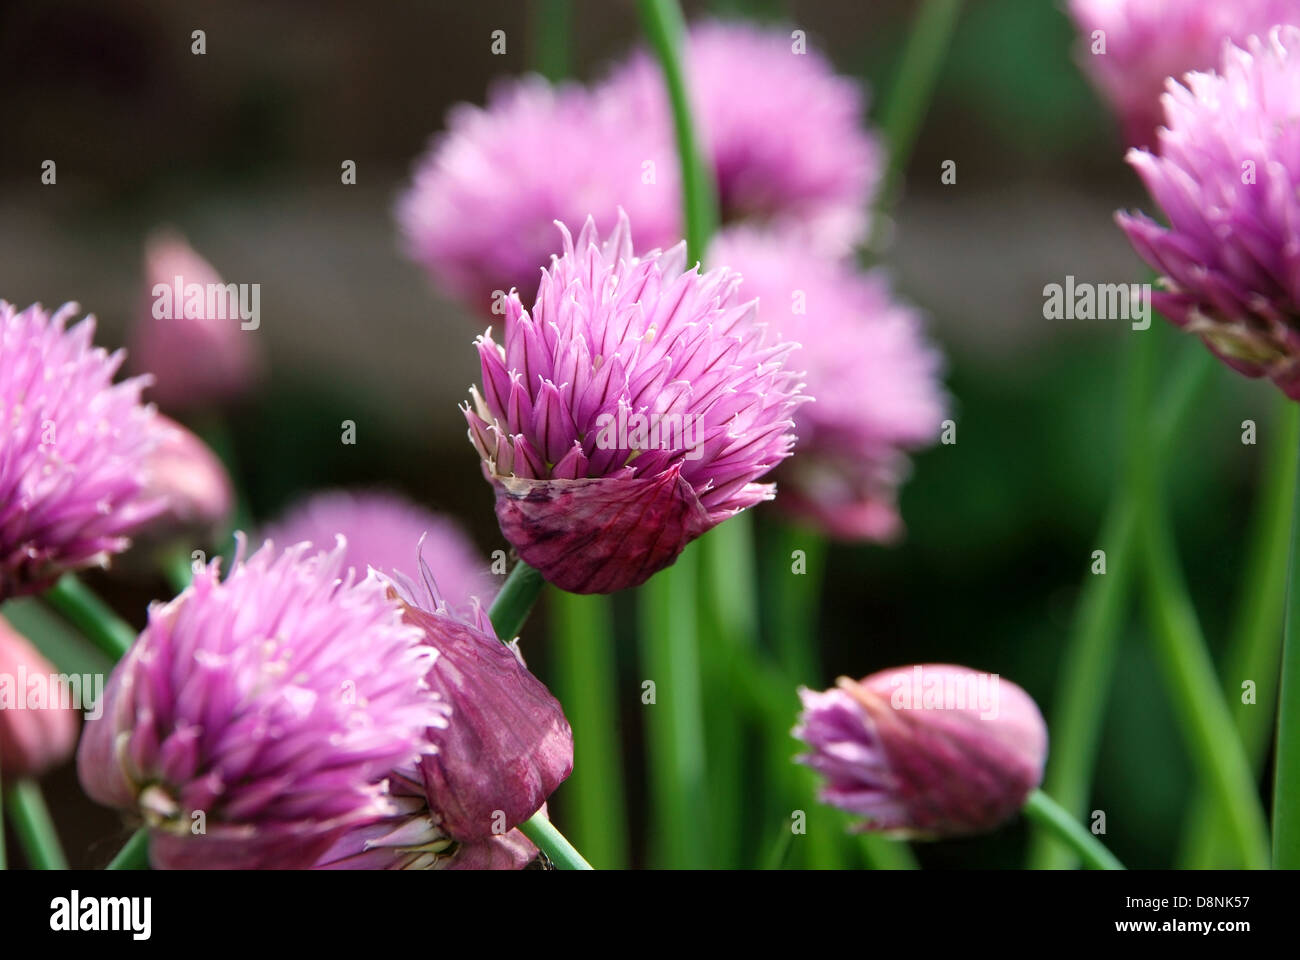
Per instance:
x=134, y=855
x=79, y=605
x=552, y=843
x=1051, y=816
x=518, y=594
x=663, y=23
x=34, y=826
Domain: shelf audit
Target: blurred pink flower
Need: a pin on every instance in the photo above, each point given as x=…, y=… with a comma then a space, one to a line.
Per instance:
x=73, y=450
x=479, y=215
x=784, y=132
x=32, y=738
x=865, y=359
x=928, y=751
x=193, y=482
x=1148, y=41
x=1228, y=179
x=636, y=407
x=199, y=355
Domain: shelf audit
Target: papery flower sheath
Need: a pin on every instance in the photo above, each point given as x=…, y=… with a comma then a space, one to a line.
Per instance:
x=35, y=735
x=190, y=334
x=1228, y=178
x=1142, y=43
x=73, y=448
x=256, y=718
x=865, y=359
x=634, y=408
x=479, y=214
x=783, y=131
x=386, y=531
x=927, y=751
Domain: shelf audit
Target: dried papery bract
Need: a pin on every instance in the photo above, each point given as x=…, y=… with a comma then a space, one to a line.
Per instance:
x=636, y=406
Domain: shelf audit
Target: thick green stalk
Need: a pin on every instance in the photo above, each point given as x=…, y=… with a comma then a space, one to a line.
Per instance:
x=582, y=645
x=1086, y=668
x=34, y=826
x=552, y=843
x=910, y=95
x=1286, y=777
x=518, y=594
x=1256, y=637
x=674, y=720
x=663, y=24
x=1049, y=815
x=551, y=34
x=85, y=611
x=134, y=855
x=1211, y=738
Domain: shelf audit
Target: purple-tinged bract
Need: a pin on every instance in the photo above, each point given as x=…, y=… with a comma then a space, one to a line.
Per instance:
x=73, y=447
x=925, y=751
x=865, y=359
x=269, y=708
x=783, y=131
x=479, y=215
x=634, y=408
x=1228, y=179
x=390, y=533
x=1129, y=48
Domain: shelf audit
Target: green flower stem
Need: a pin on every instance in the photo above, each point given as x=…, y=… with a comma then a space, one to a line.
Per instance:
x=1286, y=778
x=177, y=568
x=34, y=826
x=79, y=606
x=1256, y=637
x=910, y=95
x=1050, y=815
x=674, y=720
x=551, y=33
x=582, y=648
x=1212, y=741
x=664, y=26
x=552, y=843
x=518, y=594
x=1086, y=668
x=134, y=855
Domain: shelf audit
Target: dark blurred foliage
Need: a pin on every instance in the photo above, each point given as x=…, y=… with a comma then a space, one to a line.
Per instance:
x=241, y=147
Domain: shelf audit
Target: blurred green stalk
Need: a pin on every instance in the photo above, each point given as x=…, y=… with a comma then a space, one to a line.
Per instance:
x=1087, y=666
x=586, y=677
x=1286, y=778
x=134, y=855
x=77, y=604
x=551, y=33
x=34, y=826
x=1052, y=817
x=1256, y=636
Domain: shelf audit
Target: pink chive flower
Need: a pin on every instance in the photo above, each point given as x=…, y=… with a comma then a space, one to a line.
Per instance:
x=1228, y=179
x=256, y=718
x=926, y=751
x=784, y=132
x=634, y=408
x=190, y=332
x=35, y=735
x=1147, y=41
x=193, y=483
x=385, y=530
x=73, y=447
x=866, y=360
x=479, y=215
x=505, y=749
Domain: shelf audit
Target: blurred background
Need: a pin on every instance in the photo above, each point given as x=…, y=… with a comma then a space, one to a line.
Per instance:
x=240, y=149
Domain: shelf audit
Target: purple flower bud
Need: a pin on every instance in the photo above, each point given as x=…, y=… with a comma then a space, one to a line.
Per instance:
x=193, y=482
x=1129, y=48
x=865, y=358
x=635, y=408
x=73, y=448
x=927, y=751
x=34, y=736
x=190, y=332
x=1228, y=179
x=256, y=718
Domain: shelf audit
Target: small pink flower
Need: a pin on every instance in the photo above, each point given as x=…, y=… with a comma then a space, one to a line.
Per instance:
x=193, y=482
x=33, y=737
